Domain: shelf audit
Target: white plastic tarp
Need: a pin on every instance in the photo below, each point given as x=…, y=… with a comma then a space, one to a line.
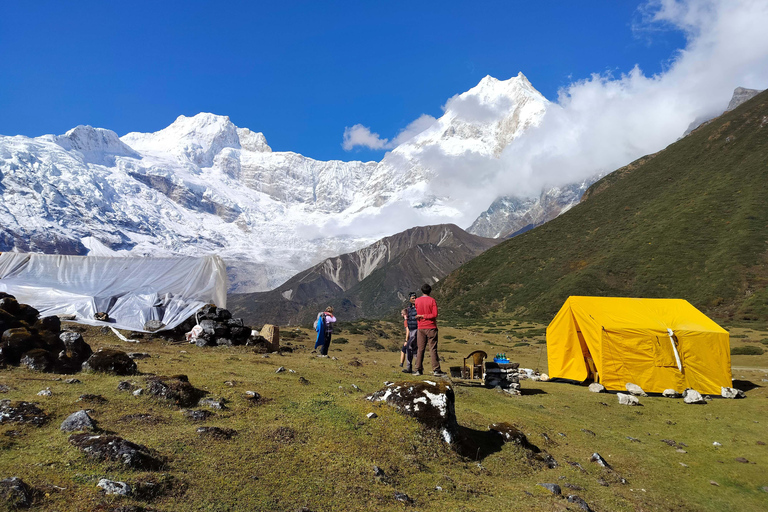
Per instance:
x=130, y=290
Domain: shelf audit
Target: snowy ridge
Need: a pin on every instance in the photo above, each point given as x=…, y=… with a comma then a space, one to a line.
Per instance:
x=203, y=185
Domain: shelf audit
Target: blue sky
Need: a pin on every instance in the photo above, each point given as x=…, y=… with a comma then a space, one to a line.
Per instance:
x=298, y=71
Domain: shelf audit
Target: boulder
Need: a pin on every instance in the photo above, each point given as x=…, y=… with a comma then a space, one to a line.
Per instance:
x=115, y=488
x=78, y=421
x=217, y=433
x=198, y=415
x=115, y=448
x=27, y=314
x=599, y=460
x=271, y=333
x=153, y=325
x=10, y=305
x=101, y=316
x=625, y=399
x=38, y=360
x=732, y=393
x=76, y=351
x=50, y=324
x=553, y=488
x=635, y=390
x=596, y=387
x=176, y=389
x=16, y=342
x=691, y=396
x=431, y=404
x=16, y=493
x=115, y=362
x=671, y=393
x=24, y=413
x=578, y=501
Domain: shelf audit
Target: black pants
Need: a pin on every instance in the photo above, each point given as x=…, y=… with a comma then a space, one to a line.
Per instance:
x=324, y=348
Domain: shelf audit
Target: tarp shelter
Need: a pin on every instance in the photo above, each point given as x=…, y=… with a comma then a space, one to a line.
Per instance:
x=130, y=290
x=657, y=344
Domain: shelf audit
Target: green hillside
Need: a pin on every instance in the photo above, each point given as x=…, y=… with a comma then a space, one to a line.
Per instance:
x=690, y=222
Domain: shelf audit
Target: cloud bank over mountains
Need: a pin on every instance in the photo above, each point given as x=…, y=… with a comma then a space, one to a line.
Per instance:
x=602, y=122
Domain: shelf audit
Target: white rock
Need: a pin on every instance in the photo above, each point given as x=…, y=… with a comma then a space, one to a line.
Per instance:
x=635, y=390
x=625, y=399
x=671, y=393
x=716, y=444
x=544, y=377
x=691, y=396
x=113, y=487
x=732, y=393
x=45, y=392
x=596, y=387
x=372, y=415
x=138, y=392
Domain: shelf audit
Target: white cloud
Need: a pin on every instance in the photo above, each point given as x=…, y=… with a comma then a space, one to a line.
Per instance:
x=361, y=136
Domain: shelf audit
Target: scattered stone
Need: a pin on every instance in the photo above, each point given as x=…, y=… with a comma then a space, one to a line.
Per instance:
x=4, y=388
x=553, y=488
x=431, y=404
x=112, y=487
x=574, y=487
x=403, y=498
x=304, y=381
x=680, y=450
x=588, y=432
x=16, y=493
x=544, y=377
x=138, y=392
x=271, y=333
x=139, y=355
x=712, y=482
x=601, y=481
x=153, y=325
x=45, y=392
x=230, y=383
x=72, y=381
x=625, y=399
x=217, y=433
x=716, y=444
x=110, y=361
x=671, y=393
x=198, y=415
x=669, y=442
x=78, y=421
x=291, y=371
x=635, y=390
x=117, y=449
x=22, y=413
x=577, y=466
x=691, y=396
x=280, y=370
x=576, y=500
x=213, y=403
x=761, y=443
x=372, y=415
x=92, y=399
x=596, y=387
x=600, y=461
x=732, y=393
x=175, y=389
x=683, y=464
x=742, y=460
x=633, y=439
x=38, y=360
x=355, y=387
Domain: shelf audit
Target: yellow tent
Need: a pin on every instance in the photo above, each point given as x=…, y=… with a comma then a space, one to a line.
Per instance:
x=657, y=344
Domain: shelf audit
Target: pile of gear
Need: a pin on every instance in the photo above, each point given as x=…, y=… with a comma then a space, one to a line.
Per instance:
x=212, y=326
x=38, y=343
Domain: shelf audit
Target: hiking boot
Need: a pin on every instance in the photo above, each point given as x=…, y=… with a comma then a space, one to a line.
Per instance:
x=438, y=373
x=401, y=365
x=417, y=373
x=407, y=370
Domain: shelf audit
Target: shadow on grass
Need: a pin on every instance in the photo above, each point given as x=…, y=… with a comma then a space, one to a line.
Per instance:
x=532, y=391
x=744, y=385
x=478, y=444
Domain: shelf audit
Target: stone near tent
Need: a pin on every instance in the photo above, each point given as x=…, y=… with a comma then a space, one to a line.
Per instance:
x=671, y=393
x=635, y=390
x=691, y=396
x=16, y=493
x=732, y=393
x=24, y=413
x=596, y=387
x=115, y=362
x=101, y=316
x=112, y=487
x=15, y=342
x=38, y=360
x=116, y=449
x=431, y=404
x=235, y=322
x=175, y=389
x=271, y=333
x=224, y=342
x=48, y=324
x=76, y=351
x=10, y=305
x=78, y=421
x=153, y=325
x=625, y=399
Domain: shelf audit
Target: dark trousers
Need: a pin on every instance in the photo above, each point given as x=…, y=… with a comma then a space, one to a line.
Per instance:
x=324, y=348
x=427, y=338
x=411, y=348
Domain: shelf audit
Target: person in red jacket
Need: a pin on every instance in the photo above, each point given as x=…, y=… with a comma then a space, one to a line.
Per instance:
x=426, y=314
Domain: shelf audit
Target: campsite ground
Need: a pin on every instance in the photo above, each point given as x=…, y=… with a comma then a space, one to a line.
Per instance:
x=311, y=445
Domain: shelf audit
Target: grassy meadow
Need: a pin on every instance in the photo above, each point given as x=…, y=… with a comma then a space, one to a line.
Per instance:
x=310, y=444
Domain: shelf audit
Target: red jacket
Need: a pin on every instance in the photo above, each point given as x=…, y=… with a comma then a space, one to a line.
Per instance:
x=426, y=305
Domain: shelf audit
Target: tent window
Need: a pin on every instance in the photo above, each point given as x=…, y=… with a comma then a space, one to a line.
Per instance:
x=663, y=351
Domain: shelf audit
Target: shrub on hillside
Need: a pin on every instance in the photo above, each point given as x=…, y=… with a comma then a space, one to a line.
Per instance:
x=463, y=342
x=749, y=350
x=449, y=337
x=340, y=341
x=521, y=345
x=372, y=344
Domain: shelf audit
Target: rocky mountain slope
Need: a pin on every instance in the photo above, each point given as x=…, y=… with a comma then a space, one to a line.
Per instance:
x=202, y=185
x=368, y=282
x=689, y=222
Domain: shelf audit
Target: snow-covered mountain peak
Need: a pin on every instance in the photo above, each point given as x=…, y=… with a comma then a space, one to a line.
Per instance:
x=253, y=141
x=97, y=145
x=198, y=138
